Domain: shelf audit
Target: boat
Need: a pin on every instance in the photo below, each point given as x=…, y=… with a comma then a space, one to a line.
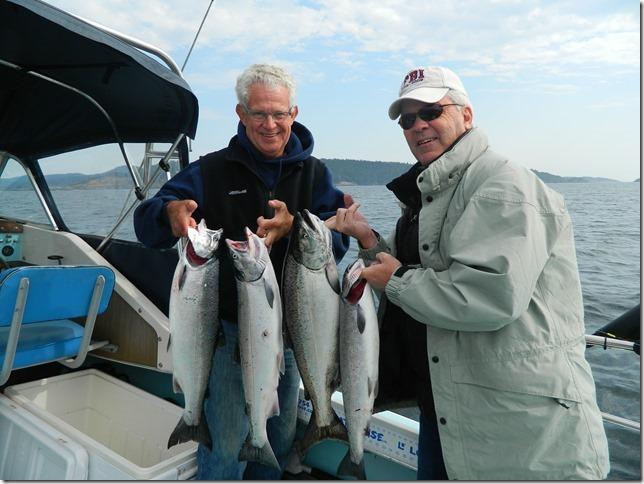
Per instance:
x=103, y=410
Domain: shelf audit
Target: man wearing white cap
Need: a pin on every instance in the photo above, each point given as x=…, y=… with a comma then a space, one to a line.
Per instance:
x=482, y=318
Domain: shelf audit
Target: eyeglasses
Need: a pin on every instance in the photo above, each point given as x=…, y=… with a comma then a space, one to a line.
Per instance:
x=261, y=116
x=426, y=113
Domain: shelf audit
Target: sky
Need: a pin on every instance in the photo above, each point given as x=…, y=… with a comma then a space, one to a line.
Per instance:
x=555, y=85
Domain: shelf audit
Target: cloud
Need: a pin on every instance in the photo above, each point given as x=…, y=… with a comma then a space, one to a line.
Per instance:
x=501, y=38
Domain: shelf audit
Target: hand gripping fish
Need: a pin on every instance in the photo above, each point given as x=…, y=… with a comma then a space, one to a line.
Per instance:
x=194, y=323
x=359, y=347
x=312, y=305
x=260, y=342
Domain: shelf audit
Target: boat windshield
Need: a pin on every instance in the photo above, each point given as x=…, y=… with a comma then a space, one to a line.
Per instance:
x=18, y=196
x=93, y=187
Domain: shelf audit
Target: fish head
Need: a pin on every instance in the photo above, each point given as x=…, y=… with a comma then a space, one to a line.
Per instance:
x=202, y=244
x=353, y=285
x=250, y=257
x=311, y=242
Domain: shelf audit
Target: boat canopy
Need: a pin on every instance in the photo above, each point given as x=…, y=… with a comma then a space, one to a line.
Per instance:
x=55, y=72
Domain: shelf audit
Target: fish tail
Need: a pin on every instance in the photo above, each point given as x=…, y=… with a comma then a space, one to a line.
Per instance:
x=185, y=433
x=263, y=455
x=349, y=468
x=314, y=434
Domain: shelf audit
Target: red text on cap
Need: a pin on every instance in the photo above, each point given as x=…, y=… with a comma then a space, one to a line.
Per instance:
x=414, y=76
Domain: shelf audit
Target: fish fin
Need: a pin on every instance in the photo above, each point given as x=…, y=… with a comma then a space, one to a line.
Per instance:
x=176, y=386
x=348, y=468
x=332, y=276
x=270, y=295
x=185, y=433
x=309, y=437
x=361, y=320
x=280, y=363
x=371, y=386
x=182, y=277
x=265, y=455
x=336, y=381
x=275, y=409
x=314, y=434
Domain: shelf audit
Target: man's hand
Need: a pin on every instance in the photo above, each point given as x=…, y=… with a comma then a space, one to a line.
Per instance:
x=180, y=216
x=352, y=223
x=379, y=273
x=273, y=229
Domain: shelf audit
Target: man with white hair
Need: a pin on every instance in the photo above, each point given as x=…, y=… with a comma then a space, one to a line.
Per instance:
x=482, y=320
x=264, y=175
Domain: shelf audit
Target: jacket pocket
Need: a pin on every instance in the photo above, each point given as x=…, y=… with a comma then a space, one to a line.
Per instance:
x=546, y=374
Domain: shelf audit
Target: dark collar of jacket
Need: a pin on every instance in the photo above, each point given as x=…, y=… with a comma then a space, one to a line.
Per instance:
x=405, y=187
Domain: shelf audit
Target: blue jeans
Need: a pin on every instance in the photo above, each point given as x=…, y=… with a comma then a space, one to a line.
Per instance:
x=430, y=455
x=224, y=408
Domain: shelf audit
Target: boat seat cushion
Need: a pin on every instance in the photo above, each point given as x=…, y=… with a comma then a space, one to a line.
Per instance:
x=55, y=292
x=53, y=296
x=43, y=342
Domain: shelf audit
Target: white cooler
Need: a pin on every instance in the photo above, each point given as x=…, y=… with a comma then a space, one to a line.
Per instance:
x=124, y=429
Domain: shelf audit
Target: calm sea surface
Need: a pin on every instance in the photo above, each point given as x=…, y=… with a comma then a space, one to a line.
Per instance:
x=606, y=218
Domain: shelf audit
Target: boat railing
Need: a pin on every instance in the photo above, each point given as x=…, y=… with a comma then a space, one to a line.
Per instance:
x=149, y=179
x=606, y=342
x=621, y=421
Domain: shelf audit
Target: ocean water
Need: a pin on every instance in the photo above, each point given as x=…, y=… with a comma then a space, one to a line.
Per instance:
x=606, y=219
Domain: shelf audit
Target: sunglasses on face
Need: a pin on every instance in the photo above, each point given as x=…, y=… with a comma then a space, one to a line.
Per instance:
x=426, y=113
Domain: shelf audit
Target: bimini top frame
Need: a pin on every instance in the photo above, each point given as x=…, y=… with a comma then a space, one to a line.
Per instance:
x=50, y=56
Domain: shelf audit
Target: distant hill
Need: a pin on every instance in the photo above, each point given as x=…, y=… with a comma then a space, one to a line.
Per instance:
x=361, y=172
x=344, y=171
x=549, y=178
x=118, y=177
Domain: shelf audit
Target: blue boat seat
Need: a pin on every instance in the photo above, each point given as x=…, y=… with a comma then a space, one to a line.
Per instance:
x=37, y=304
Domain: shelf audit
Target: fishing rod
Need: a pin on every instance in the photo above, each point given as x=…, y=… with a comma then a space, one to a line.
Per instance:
x=197, y=35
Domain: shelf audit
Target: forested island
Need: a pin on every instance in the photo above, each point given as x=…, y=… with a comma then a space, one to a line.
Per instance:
x=344, y=171
x=362, y=172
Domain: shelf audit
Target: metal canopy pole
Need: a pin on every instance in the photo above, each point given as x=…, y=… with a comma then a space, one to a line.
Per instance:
x=163, y=165
x=117, y=137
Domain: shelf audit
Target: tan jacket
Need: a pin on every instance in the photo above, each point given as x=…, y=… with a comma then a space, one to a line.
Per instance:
x=499, y=290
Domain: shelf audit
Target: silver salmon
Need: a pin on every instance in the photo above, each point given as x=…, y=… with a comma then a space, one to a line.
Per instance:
x=261, y=348
x=311, y=293
x=359, y=347
x=194, y=324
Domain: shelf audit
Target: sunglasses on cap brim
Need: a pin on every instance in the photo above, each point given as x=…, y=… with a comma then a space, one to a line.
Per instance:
x=426, y=113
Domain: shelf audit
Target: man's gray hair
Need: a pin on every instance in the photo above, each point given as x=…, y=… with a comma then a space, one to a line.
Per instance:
x=459, y=98
x=267, y=74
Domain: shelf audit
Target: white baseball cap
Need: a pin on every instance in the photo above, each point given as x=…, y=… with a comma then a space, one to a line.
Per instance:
x=426, y=84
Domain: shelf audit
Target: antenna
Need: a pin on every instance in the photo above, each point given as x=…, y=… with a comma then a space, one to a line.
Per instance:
x=196, y=36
